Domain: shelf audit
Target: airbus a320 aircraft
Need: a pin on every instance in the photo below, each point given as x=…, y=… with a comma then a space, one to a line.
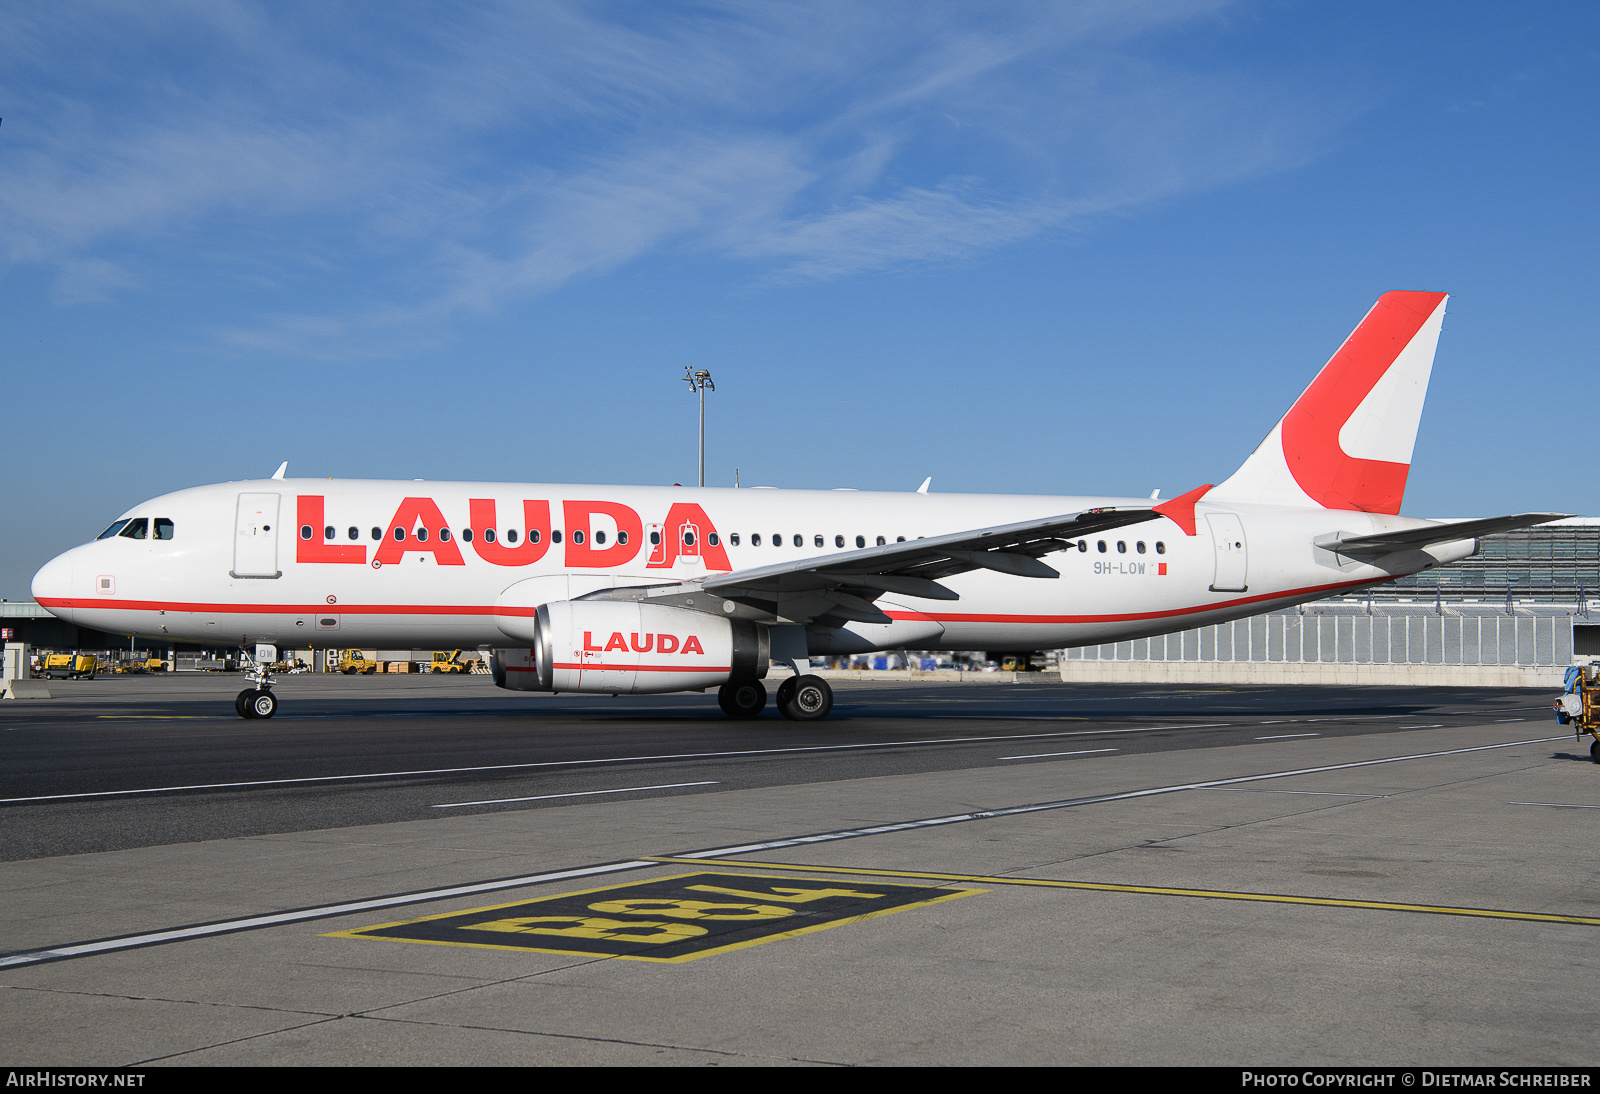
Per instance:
x=649, y=589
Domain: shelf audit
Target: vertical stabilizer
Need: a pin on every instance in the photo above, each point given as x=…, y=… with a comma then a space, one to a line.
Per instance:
x=1346, y=443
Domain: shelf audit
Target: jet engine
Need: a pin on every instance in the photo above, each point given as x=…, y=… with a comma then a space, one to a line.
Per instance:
x=625, y=647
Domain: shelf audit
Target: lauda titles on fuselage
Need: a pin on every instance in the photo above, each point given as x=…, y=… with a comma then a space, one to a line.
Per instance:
x=651, y=589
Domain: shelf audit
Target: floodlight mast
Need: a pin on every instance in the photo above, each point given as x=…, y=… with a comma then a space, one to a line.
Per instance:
x=699, y=380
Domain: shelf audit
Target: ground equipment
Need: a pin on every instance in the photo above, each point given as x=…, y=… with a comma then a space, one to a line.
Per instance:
x=1579, y=704
x=352, y=661
x=448, y=662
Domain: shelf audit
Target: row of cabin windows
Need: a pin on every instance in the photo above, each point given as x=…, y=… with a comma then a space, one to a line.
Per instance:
x=140, y=528
x=816, y=541
x=136, y=529
x=489, y=535
x=600, y=537
x=1122, y=546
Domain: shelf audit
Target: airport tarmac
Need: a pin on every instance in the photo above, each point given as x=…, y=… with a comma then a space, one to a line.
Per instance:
x=939, y=875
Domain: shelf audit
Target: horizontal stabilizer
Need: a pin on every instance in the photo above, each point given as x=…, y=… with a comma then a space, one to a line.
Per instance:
x=1414, y=539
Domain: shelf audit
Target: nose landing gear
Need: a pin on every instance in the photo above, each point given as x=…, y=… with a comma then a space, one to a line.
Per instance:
x=256, y=702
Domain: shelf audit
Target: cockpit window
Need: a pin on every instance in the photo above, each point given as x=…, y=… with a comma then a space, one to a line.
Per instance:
x=113, y=530
x=138, y=528
x=163, y=528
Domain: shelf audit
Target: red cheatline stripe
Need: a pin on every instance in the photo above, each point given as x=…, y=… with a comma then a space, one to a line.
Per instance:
x=482, y=609
x=645, y=668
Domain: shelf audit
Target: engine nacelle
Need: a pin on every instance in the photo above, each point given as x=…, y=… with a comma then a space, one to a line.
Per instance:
x=629, y=648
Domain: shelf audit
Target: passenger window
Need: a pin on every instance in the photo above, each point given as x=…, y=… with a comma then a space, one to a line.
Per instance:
x=799, y=540
x=712, y=539
x=305, y=531
x=1122, y=547
x=577, y=537
x=882, y=541
x=511, y=535
x=1140, y=546
x=399, y=534
x=377, y=533
x=861, y=541
x=622, y=538
x=1083, y=545
x=599, y=538
x=777, y=539
x=899, y=539
x=688, y=538
x=329, y=532
x=116, y=527
x=734, y=539
x=816, y=541
x=466, y=535
x=488, y=535
x=1100, y=545
x=422, y=535
x=655, y=539
x=1161, y=548
x=355, y=533
x=163, y=528
x=838, y=541
x=555, y=536
x=444, y=535
x=534, y=535
x=755, y=539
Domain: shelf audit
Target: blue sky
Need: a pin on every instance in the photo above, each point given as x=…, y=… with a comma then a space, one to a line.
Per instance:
x=1040, y=247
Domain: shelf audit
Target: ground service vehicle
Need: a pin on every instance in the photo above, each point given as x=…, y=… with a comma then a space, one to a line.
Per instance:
x=611, y=590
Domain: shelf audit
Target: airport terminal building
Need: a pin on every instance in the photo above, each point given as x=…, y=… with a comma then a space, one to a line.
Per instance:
x=1516, y=613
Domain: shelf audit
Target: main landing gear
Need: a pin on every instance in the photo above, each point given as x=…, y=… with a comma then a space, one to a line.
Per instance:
x=256, y=702
x=805, y=698
x=800, y=698
x=742, y=700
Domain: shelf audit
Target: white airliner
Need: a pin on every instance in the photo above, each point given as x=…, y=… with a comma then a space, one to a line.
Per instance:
x=650, y=589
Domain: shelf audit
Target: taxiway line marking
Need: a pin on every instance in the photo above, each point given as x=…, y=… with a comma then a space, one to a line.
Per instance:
x=1068, y=803
x=574, y=794
x=329, y=911
x=1286, y=736
x=1159, y=890
x=1556, y=805
x=1044, y=755
x=601, y=760
x=300, y=915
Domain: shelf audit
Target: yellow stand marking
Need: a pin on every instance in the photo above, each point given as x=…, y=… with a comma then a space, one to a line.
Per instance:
x=1210, y=894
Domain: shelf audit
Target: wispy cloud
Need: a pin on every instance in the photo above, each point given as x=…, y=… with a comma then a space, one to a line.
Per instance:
x=435, y=160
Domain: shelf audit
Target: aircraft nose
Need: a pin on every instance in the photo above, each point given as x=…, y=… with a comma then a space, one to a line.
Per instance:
x=53, y=584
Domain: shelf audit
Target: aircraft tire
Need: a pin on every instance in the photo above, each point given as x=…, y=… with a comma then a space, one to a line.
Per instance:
x=1594, y=752
x=241, y=703
x=264, y=704
x=809, y=699
x=742, y=700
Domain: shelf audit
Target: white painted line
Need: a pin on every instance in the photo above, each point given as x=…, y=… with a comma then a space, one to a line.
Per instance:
x=328, y=911
x=574, y=794
x=1555, y=805
x=1018, y=810
x=1043, y=755
x=1308, y=793
x=1435, y=725
x=604, y=760
x=1286, y=736
x=300, y=915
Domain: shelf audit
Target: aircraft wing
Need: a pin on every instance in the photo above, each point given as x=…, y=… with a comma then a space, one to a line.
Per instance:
x=1414, y=539
x=842, y=586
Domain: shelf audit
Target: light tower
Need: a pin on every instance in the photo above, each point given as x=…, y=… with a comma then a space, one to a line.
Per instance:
x=699, y=380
